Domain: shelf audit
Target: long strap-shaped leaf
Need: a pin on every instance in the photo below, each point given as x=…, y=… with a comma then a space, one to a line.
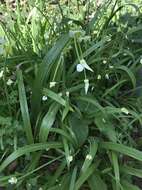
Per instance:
x=27, y=149
x=43, y=72
x=123, y=149
x=24, y=107
x=48, y=121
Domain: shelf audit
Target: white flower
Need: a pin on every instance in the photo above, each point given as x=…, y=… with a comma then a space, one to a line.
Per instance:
x=70, y=22
x=79, y=68
x=40, y=188
x=67, y=93
x=124, y=110
x=44, y=98
x=99, y=77
x=12, y=180
x=89, y=157
x=83, y=62
x=111, y=66
x=104, y=121
x=107, y=76
x=141, y=61
x=52, y=84
x=9, y=82
x=86, y=87
x=104, y=61
x=70, y=158
x=1, y=74
x=99, y=3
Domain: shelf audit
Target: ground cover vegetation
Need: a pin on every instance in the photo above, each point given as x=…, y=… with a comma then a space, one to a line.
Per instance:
x=71, y=95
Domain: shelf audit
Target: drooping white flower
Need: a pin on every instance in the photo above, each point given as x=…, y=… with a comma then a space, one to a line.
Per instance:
x=86, y=87
x=44, y=98
x=12, y=180
x=67, y=93
x=9, y=82
x=141, y=61
x=85, y=65
x=70, y=22
x=99, y=77
x=107, y=76
x=52, y=84
x=79, y=68
x=104, y=61
x=89, y=157
x=70, y=158
x=40, y=188
x=124, y=110
x=1, y=74
x=111, y=66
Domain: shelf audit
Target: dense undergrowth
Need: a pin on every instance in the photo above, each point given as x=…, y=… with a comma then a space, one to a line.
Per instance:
x=70, y=86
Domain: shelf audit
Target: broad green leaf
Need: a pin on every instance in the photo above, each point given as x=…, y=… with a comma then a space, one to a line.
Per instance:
x=91, y=101
x=48, y=121
x=105, y=126
x=80, y=128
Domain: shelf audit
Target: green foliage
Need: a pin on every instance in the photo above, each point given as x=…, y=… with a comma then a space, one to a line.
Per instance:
x=70, y=85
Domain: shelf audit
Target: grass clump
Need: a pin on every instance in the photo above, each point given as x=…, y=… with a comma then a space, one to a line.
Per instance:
x=70, y=115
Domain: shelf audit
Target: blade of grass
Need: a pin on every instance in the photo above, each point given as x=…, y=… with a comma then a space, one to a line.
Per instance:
x=24, y=108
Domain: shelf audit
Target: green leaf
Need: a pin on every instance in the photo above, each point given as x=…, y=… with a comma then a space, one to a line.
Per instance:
x=105, y=126
x=116, y=169
x=54, y=96
x=73, y=178
x=27, y=149
x=83, y=177
x=48, y=121
x=123, y=149
x=128, y=186
x=91, y=101
x=79, y=127
x=24, y=107
x=131, y=171
x=44, y=71
x=129, y=73
x=96, y=182
x=92, y=153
